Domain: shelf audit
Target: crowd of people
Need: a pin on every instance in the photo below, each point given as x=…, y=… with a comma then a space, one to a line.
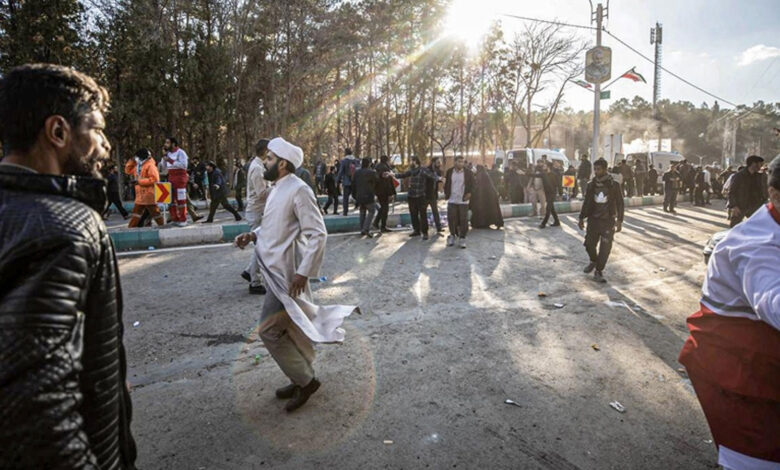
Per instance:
x=63, y=368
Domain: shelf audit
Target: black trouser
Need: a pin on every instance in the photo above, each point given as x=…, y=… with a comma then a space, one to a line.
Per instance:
x=418, y=211
x=240, y=200
x=113, y=198
x=347, y=192
x=550, y=210
x=332, y=199
x=384, y=208
x=216, y=201
x=698, y=195
x=599, y=232
x=435, y=211
x=670, y=199
x=458, y=218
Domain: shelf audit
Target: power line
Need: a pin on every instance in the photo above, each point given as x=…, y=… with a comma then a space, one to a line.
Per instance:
x=668, y=71
x=592, y=28
x=559, y=23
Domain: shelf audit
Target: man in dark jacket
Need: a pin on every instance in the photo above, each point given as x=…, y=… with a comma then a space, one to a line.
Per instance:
x=385, y=190
x=112, y=179
x=239, y=183
x=583, y=173
x=432, y=192
x=651, y=186
x=672, y=184
x=218, y=193
x=416, y=196
x=747, y=191
x=550, y=190
x=331, y=188
x=364, y=183
x=62, y=362
x=603, y=207
x=458, y=186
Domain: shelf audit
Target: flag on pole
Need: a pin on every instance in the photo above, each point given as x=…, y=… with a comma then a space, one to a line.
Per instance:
x=634, y=75
x=583, y=84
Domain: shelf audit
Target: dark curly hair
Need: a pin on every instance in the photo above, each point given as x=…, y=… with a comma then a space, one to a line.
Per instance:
x=31, y=93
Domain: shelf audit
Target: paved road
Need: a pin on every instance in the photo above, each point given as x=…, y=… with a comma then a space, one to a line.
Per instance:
x=445, y=337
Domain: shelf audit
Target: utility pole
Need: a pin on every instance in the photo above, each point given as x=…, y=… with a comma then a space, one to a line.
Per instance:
x=656, y=37
x=600, y=14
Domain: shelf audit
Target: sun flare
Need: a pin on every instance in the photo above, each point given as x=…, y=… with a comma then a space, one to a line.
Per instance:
x=467, y=21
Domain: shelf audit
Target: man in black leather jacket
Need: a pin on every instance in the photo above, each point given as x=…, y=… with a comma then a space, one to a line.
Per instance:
x=64, y=401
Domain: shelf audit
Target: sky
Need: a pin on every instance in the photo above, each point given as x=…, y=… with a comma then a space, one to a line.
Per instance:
x=730, y=48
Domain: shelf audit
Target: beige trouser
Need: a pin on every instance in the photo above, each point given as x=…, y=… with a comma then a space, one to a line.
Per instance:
x=290, y=348
x=538, y=195
x=254, y=266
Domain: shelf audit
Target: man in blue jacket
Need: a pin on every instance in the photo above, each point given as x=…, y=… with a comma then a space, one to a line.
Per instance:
x=347, y=168
x=218, y=193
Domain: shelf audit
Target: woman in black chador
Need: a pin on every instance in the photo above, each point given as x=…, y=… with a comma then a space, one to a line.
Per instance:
x=485, y=210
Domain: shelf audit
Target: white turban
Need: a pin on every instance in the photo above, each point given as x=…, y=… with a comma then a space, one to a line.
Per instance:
x=283, y=149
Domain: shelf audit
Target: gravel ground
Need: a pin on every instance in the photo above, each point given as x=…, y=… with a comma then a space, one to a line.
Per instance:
x=446, y=336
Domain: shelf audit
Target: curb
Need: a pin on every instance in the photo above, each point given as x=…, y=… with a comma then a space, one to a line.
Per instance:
x=144, y=239
x=204, y=205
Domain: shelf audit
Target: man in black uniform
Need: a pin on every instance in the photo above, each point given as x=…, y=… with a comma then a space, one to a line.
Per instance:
x=672, y=181
x=603, y=207
x=747, y=191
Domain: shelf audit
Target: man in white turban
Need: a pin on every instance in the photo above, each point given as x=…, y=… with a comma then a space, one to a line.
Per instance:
x=290, y=246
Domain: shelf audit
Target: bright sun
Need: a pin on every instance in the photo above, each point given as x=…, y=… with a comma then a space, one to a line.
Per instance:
x=468, y=20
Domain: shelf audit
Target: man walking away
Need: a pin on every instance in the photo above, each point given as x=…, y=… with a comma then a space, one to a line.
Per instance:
x=176, y=159
x=239, y=183
x=698, y=192
x=112, y=187
x=432, y=192
x=319, y=176
x=333, y=191
x=652, y=181
x=62, y=362
x=145, y=178
x=384, y=192
x=218, y=193
x=550, y=189
x=256, y=195
x=746, y=192
x=628, y=178
x=672, y=182
x=418, y=204
x=732, y=356
x=458, y=185
x=364, y=183
x=603, y=208
x=290, y=251
x=583, y=174
x=347, y=168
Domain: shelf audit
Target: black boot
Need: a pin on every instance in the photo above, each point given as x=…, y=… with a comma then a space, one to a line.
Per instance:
x=286, y=392
x=301, y=395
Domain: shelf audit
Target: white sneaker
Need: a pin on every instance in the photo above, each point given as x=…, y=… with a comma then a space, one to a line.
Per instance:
x=450, y=240
x=463, y=243
x=180, y=224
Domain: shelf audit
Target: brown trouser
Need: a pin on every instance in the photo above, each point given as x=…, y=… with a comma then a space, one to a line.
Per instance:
x=139, y=209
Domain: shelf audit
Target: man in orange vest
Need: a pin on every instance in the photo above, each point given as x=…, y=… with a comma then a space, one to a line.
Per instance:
x=145, y=177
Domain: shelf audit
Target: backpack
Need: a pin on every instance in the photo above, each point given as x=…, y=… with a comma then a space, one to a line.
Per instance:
x=351, y=168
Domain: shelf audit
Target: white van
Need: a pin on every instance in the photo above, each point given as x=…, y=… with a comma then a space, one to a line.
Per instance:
x=661, y=161
x=530, y=156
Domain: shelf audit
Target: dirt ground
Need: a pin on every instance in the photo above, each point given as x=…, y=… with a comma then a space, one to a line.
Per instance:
x=446, y=336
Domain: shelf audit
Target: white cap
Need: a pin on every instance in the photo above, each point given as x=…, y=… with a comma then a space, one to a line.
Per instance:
x=283, y=149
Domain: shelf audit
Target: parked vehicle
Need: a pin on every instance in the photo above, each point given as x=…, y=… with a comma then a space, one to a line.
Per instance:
x=661, y=161
x=531, y=156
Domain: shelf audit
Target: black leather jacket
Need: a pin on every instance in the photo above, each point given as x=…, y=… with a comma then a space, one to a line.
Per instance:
x=63, y=399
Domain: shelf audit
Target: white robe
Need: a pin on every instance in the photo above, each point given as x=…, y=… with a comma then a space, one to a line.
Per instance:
x=292, y=241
